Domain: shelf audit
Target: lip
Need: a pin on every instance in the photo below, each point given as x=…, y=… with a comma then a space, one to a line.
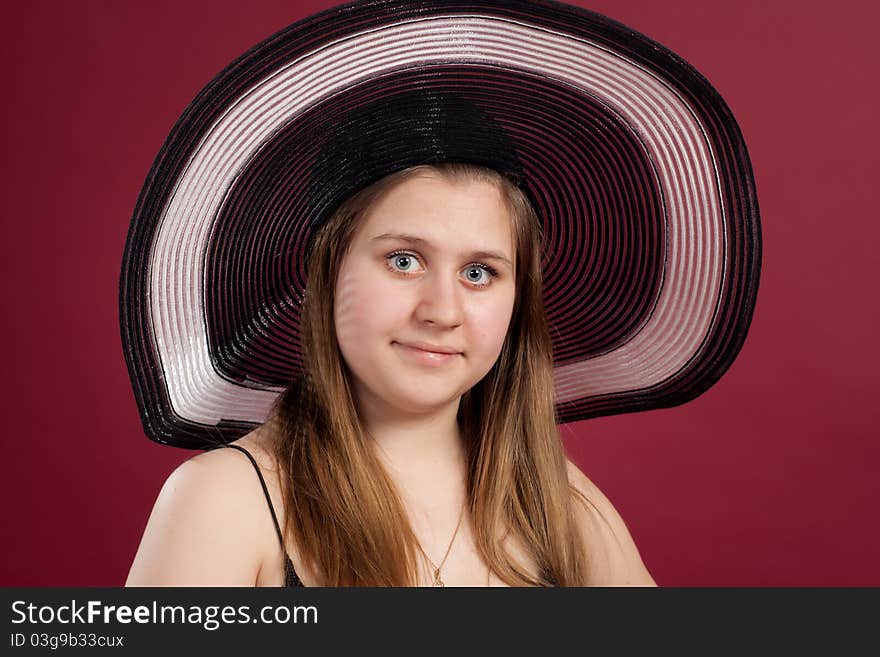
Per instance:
x=425, y=357
x=431, y=348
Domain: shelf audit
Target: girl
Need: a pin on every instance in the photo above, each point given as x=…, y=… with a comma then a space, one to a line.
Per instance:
x=425, y=450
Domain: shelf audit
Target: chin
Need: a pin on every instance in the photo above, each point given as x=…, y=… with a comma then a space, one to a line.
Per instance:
x=423, y=404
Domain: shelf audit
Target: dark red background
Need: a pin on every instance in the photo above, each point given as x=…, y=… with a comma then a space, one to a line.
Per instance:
x=770, y=478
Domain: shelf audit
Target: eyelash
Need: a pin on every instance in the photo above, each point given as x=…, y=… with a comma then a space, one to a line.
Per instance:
x=493, y=273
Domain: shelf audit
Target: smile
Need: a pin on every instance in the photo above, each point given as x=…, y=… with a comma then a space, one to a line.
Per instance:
x=431, y=358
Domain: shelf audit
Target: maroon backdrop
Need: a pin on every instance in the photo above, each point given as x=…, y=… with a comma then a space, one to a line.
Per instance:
x=767, y=479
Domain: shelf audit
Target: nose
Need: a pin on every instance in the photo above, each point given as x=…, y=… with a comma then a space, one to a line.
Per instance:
x=440, y=302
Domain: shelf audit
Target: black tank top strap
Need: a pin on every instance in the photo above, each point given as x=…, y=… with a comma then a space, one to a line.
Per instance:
x=265, y=492
x=290, y=576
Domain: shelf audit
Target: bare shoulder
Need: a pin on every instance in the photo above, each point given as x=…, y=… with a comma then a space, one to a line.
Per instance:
x=614, y=558
x=204, y=529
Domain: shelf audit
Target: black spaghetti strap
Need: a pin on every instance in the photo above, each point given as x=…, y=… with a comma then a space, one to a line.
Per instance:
x=266, y=493
x=290, y=576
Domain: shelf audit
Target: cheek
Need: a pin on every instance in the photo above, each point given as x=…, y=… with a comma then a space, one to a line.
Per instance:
x=490, y=320
x=363, y=304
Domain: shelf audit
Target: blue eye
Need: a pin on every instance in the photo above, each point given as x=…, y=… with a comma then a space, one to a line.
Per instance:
x=480, y=271
x=402, y=259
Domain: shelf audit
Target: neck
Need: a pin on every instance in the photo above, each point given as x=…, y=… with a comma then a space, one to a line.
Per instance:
x=423, y=453
x=416, y=448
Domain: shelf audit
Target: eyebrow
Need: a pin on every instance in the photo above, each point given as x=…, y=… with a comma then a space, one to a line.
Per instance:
x=418, y=241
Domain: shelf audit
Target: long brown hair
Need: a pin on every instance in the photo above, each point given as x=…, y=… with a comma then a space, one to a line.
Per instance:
x=341, y=507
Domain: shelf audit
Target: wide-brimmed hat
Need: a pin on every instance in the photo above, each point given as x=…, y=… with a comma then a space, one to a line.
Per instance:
x=632, y=161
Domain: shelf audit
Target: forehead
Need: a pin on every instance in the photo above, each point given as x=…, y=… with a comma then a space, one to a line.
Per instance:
x=433, y=213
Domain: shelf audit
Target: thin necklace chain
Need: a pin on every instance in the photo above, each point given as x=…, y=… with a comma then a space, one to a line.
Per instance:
x=437, y=580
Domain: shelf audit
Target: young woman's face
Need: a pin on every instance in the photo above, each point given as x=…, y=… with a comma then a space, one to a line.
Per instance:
x=438, y=290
